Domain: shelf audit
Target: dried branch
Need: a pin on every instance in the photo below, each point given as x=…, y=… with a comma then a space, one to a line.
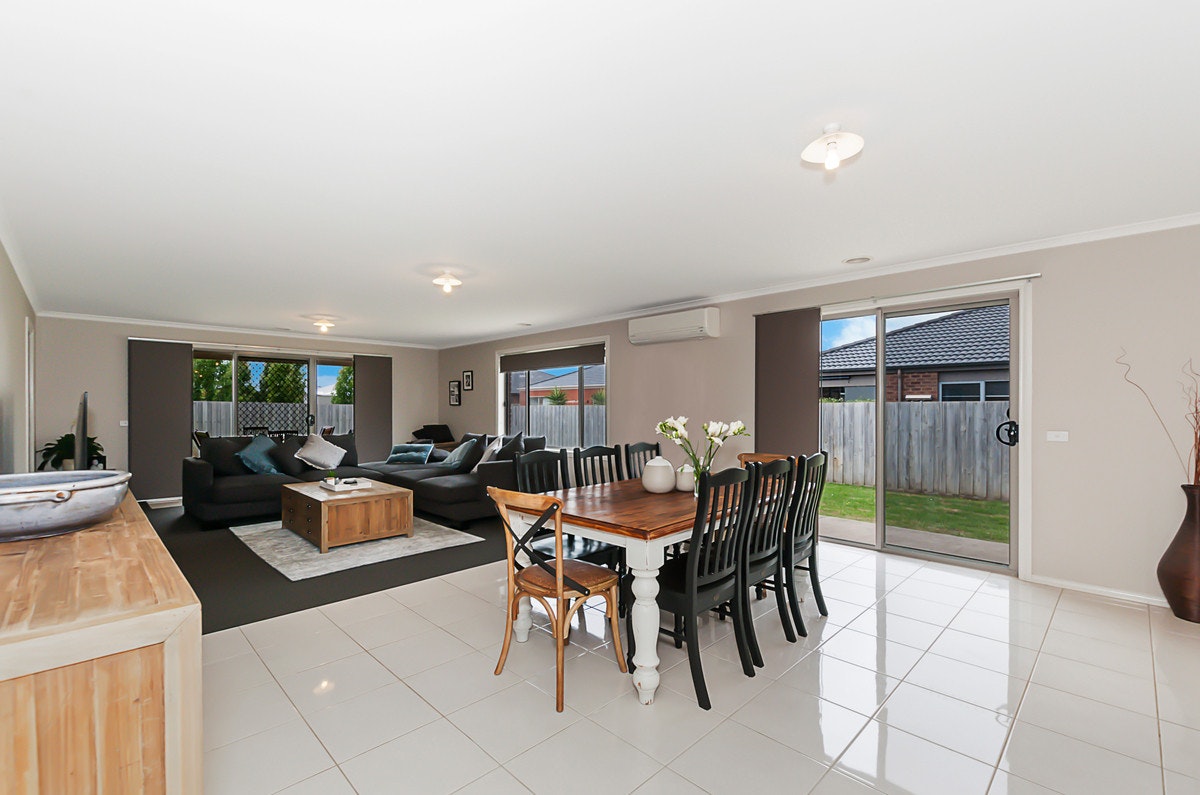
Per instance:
x=1128, y=369
x=1191, y=393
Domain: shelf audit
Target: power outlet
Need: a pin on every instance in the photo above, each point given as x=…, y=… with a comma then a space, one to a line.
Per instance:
x=1057, y=436
x=124, y=423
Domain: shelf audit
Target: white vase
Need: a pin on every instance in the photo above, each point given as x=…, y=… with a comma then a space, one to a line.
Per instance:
x=685, y=478
x=658, y=476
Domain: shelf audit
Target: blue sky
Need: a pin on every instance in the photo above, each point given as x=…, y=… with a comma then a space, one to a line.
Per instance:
x=327, y=374
x=853, y=329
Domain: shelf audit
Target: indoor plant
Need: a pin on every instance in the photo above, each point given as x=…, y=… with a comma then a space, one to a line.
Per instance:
x=716, y=433
x=63, y=449
x=1179, y=567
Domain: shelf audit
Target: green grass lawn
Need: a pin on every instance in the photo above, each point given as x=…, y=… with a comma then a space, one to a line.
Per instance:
x=956, y=516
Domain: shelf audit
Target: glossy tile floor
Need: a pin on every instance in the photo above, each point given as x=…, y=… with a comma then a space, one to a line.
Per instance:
x=925, y=678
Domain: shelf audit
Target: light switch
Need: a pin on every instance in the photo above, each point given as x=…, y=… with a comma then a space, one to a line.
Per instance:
x=1056, y=436
x=124, y=423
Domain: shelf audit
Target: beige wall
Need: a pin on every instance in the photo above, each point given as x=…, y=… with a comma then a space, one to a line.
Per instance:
x=1104, y=505
x=14, y=309
x=74, y=355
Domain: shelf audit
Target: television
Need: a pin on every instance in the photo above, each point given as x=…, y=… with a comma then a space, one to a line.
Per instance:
x=81, y=435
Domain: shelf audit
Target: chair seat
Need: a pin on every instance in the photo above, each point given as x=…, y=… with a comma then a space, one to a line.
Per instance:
x=536, y=580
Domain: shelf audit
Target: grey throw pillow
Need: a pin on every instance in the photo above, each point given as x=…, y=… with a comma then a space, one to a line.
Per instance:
x=320, y=454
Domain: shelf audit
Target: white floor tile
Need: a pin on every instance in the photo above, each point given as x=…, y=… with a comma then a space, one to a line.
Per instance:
x=286, y=627
x=320, y=687
x=265, y=762
x=664, y=729
x=1181, y=749
x=1114, y=656
x=878, y=579
x=589, y=682
x=668, y=782
x=1072, y=766
x=840, y=613
x=1127, y=629
x=1007, y=784
x=851, y=686
x=436, y=758
x=894, y=761
x=896, y=628
x=892, y=659
x=369, y=720
x=480, y=631
x=553, y=766
x=512, y=721
x=728, y=687
x=777, y=653
x=498, y=782
x=533, y=657
x=1116, y=729
x=979, y=686
x=1009, y=606
x=735, y=759
x=843, y=591
x=299, y=653
x=360, y=608
x=836, y=782
x=1179, y=702
x=933, y=592
x=1178, y=784
x=217, y=646
x=452, y=608
x=421, y=652
x=920, y=609
x=424, y=592
x=230, y=716
x=1014, y=661
x=889, y=563
x=1009, y=587
x=1099, y=684
x=969, y=729
x=819, y=729
x=380, y=630
x=331, y=782
x=232, y=674
x=954, y=576
x=462, y=681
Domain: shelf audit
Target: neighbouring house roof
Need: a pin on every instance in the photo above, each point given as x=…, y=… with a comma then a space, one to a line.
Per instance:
x=970, y=337
x=593, y=376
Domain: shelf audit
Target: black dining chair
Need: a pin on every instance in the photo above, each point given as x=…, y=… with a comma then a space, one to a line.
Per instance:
x=636, y=456
x=760, y=561
x=597, y=464
x=540, y=471
x=800, y=543
x=707, y=575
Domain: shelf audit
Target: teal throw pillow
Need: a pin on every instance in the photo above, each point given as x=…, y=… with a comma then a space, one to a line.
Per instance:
x=257, y=455
x=410, y=454
x=459, y=454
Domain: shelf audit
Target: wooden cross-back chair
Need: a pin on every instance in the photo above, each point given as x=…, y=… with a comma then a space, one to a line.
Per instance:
x=561, y=585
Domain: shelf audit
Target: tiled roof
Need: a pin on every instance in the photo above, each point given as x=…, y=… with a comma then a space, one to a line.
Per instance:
x=968, y=337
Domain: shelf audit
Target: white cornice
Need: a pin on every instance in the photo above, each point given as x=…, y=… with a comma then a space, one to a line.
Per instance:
x=232, y=330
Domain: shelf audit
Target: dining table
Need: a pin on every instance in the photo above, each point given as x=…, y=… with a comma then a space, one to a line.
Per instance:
x=645, y=524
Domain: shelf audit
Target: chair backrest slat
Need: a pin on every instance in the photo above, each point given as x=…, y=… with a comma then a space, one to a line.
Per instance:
x=598, y=464
x=806, y=502
x=636, y=456
x=772, y=484
x=717, y=532
x=541, y=470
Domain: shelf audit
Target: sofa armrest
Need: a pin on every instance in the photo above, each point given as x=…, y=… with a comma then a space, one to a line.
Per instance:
x=197, y=480
x=501, y=474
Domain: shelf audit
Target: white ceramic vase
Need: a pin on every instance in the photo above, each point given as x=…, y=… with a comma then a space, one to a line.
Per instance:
x=658, y=476
x=685, y=478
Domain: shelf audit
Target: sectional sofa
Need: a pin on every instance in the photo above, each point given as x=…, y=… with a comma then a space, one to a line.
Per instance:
x=218, y=488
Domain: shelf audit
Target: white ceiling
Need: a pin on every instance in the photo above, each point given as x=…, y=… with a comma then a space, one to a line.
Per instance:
x=246, y=163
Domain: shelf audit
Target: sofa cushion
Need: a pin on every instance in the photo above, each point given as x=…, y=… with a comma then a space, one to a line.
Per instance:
x=247, y=488
x=405, y=474
x=481, y=439
x=410, y=454
x=321, y=454
x=532, y=443
x=451, y=488
x=438, y=434
x=221, y=452
x=489, y=453
x=462, y=453
x=313, y=475
x=257, y=455
x=284, y=456
x=346, y=442
x=511, y=446
x=437, y=455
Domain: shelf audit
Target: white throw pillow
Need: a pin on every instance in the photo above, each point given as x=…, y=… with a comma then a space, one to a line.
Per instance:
x=489, y=453
x=320, y=454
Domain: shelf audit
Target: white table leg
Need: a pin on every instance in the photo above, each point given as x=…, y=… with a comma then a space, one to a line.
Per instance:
x=645, y=633
x=524, y=620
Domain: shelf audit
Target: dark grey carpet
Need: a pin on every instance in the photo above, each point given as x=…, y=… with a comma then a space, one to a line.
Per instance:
x=237, y=587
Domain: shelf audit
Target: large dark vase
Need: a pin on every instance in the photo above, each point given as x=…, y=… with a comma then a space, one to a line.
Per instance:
x=1179, y=569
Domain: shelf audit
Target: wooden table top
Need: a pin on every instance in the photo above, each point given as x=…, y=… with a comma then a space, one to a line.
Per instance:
x=626, y=508
x=317, y=492
x=108, y=573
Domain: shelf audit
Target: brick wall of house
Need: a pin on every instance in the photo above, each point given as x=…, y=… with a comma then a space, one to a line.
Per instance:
x=915, y=383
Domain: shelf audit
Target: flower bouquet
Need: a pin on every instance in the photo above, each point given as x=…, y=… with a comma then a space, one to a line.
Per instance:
x=716, y=433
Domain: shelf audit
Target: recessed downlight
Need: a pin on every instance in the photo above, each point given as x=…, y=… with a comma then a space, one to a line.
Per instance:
x=526, y=325
x=856, y=260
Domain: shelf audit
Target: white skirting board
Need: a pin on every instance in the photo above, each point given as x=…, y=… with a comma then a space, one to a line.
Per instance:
x=1098, y=590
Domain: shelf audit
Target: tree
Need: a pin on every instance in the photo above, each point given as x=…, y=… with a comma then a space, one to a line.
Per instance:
x=557, y=397
x=283, y=382
x=343, y=388
x=599, y=398
x=247, y=391
x=211, y=380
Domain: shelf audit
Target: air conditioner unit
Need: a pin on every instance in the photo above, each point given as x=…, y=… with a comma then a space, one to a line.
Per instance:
x=693, y=324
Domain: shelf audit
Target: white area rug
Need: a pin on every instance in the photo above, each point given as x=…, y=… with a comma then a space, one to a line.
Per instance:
x=297, y=559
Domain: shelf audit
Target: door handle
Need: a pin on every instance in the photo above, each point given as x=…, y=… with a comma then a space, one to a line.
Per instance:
x=1007, y=433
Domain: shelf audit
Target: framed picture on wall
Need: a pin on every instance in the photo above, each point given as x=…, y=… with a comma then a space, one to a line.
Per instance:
x=456, y=393
x=468, y=380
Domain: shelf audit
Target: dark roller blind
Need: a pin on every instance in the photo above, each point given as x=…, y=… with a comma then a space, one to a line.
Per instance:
x=160, y=416
x=373, y=407
x=787, y=392
x=559, y=357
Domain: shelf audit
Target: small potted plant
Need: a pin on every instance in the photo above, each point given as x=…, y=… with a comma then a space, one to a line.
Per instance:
x=331, y=478
x=55, y=454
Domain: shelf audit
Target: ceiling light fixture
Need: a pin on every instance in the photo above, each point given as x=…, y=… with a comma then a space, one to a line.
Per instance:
x=833, y=147
x=324, y=325
x=856, y=260
x=447, y=281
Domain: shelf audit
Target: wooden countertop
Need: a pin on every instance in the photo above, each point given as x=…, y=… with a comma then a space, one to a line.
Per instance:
x=106, y=589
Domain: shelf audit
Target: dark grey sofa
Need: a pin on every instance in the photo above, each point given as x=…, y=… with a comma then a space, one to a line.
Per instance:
x=214, y=493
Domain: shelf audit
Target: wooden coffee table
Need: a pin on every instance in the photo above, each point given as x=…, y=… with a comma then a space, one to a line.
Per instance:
x=335, y=518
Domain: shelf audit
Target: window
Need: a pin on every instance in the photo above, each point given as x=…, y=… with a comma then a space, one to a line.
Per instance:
x=995, y=390
x=560, y=394
x=974, y=390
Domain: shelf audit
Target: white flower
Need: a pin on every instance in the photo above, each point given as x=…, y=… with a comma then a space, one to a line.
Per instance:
x=717, y=440
x=737, y=427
